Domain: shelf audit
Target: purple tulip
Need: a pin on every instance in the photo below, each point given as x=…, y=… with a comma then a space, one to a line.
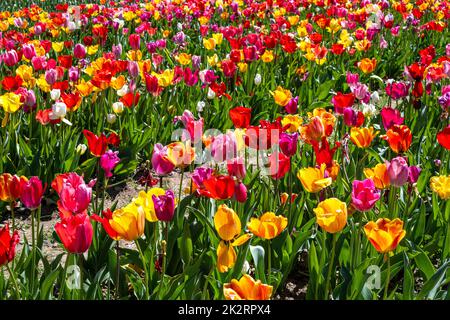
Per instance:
x=414, y=173
x=364, y=194
x=288, y=143
x=292, y=106
x=108, y=161
x=390, y=117
x=160, y=162
x=398, y=171
x=201, y=174
x=164, y=206
x=79, y=51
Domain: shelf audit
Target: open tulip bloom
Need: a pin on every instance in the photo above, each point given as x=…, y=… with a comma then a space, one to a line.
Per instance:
x=201, y=149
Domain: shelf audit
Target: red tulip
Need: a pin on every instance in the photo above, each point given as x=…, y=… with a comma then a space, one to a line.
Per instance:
x=75, y=232
x=130, y=99
x=107, y=215
x=97, y=144
x=32, y=192
x=443, y=138
x=7, y=245
x=241, y=116
x=219, y=187
x=342, y=101
x=279, y=165
x=65, y=61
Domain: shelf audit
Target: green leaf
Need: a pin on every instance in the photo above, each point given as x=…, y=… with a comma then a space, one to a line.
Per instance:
x=258, y=258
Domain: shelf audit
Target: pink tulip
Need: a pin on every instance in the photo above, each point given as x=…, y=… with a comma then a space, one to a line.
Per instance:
x=390, y=117
x=288, y=143
x=292, y=106
x=398, y=171
x=79, y=51
x=32, y=192
x=223, y=147
x=364, y=194
x=108, y=161
x=236, y=167
x=160, y=162
x=75, y=195
x=240, y=192
x=164, y=206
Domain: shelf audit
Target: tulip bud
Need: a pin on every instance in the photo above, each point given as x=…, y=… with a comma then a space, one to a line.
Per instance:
x=123, y=91
x=211, y=94
x=118, y=107
x=81, y=149
x=133, y=69
x=236, y=167
x=257, y=79
x=398, y=171
x=51, y=76
x=59, y=110
x=55, y=94
x=74, y=74
x=111, y=118
x=79, y=51
x=200, y=106
x=240, y=192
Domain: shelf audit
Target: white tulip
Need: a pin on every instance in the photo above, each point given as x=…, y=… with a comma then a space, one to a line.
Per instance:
x=118, y=107
x=211, y=94
x=257, y=79
x=123, y=91
x=55, y=94
x=111, y=118
x=59, y=111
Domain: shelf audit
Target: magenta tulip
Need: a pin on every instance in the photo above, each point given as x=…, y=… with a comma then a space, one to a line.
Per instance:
x=364, y=194
x=108, y=161
x=398, y=171
x=160, y=162
x=164, y=206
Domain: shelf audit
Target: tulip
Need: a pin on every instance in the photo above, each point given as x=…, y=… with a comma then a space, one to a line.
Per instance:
x=399, y=138
x=443, y=137
x=108, y=161
x=79, y=51
x=379, y=175
x=236, y=168
x=219, y=187
x=385, y=234
x=8, y=245
x=227, y=223
x=145, y=200
x=28, y=51
x=268, y=226
x=398, y=171
x=362, y=137
x=201, y=174
x=75, y=232
x=10, y=187
x=135, y=41
x=97, y=144
x=282, y=96
x=164, y=206
x=226, y=256
x=133, y=69
x=75, y=195
x=180, y=154
x=247, y=289
x=240, y=116
x=414, y=173
x=331, y=215
x=257, y=80
x=292, y=106
x=314, y=179
x=279, y=165
x=342, y=101
x=223, y=147
x=32, y=192
x=288, y=143
x=367, y=65
x=390, y=117
x=240, y=192
x=105, y=221
x=128, y=222
x=441, y=185
x=364, y=194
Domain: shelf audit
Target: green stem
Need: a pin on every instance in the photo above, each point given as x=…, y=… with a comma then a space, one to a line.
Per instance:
x=147, y=294
x=269, y=260
x=14, y=280
x=330, y=266
x=117, y=270
x=33, y=250
x=388, y=276
x=13, y=218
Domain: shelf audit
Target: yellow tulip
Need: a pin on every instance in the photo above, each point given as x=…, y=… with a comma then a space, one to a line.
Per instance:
x=379, y=175
x=145, y=201
x=57, y=46
x=218, y=38
x=385, y=234
x=292, y=122
x=268, y=226
x=247, y=289
x=209, y=44
x=10, y=102
x=313, y=179
x=92, y=50
x=227, y=223
x=441, y=185
x=331, y=215
x=128, y=222
x=362, y=137
x=267, y=56
x=226, y=256
x=184, y=59
x=282, y=96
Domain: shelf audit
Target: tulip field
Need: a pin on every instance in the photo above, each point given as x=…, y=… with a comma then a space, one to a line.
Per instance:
x=225, y=149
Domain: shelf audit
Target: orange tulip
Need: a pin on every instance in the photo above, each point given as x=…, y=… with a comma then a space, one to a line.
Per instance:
x=399, y=138
x=331, y=215
x=10, y=187
x=379, y=175
x=367, y=65
x=362, y=137
x=247, y=289
x=385, y=234
x=268, y=226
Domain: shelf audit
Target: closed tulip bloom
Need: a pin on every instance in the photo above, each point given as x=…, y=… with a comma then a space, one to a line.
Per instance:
x=331, y=215
x=160, y=162
x=398, y=171
x=75, y=232
x=282, y=96
x=32, y=192
x=279, y=165
x=385, y=234
x=364, y=194
x=441, y=185
x=399, y=138
x=240, y=192
x=10, y=187
x=288, y=143
x=227, y=223
x=223, y=147
x=379, y=175
x=75, y=195
x=390, y=117
x=219, y=187
x=362, y=137
x=79, y=51
x=247, y=289
x=240, y=116
x=108, y=161
x=226, y=256
x=164, y=206
x=443, y=137
x=268, y=226
x=314, y=179
x=292, y=106
x=236, y=168
x=8, y=245
x=128, y=222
